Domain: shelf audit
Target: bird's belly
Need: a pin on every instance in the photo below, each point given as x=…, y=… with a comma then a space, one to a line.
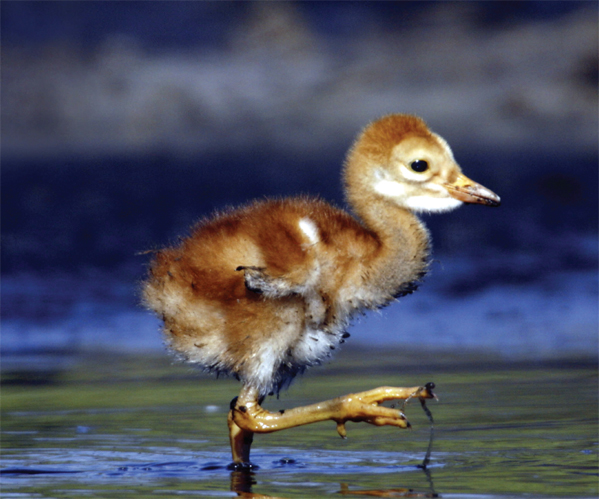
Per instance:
x=276, y=343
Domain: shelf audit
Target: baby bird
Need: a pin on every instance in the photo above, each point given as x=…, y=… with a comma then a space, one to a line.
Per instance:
x=267, y=290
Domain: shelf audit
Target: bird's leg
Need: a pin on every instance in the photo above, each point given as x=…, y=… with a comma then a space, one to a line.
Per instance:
x=248, y=417
x=241, y=440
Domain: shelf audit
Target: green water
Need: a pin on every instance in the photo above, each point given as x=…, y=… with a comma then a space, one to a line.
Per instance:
x=139, y=426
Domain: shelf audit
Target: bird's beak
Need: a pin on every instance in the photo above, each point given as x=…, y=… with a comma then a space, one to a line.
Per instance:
x=468, y=191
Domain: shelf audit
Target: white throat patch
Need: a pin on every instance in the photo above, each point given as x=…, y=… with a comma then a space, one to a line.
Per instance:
x=432, y=205
x=390, y=188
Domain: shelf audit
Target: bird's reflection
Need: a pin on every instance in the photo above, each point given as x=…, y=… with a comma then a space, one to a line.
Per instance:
x=242, y=482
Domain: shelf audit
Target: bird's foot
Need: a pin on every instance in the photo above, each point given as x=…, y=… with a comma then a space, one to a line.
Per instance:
x=248, y=417
x=365, y=406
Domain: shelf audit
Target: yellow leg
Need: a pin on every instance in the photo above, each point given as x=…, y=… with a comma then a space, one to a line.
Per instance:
x=241, y=441
x=248, y=417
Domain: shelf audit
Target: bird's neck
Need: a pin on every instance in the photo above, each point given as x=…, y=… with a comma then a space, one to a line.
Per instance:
x=403, y=243
x=395, y=226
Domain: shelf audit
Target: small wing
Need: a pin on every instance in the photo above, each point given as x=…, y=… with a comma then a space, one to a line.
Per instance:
x=258, y=281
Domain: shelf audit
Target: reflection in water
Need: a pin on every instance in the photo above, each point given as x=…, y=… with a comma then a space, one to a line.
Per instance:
x=427, y=458
x=398, y=492
x=242, y=482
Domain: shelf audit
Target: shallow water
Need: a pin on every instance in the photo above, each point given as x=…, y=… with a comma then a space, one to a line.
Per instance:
x=130, y=426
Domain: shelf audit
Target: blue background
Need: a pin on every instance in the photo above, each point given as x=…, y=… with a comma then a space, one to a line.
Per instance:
x=125, y=122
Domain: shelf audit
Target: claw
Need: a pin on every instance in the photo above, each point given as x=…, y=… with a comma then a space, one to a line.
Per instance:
x=429, y=391
x=425, y=392
x=341, y=430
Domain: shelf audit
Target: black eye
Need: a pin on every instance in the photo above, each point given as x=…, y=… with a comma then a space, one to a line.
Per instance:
x=419, y=165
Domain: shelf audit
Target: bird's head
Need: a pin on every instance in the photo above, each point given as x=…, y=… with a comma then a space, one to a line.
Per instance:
x=400, y=159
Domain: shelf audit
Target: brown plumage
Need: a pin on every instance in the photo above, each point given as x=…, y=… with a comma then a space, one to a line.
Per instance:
x=265, y=291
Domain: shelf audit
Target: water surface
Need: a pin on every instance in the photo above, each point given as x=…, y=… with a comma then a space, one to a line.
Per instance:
x=130, y=426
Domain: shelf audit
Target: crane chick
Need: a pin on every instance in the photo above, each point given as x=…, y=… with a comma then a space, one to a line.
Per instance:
x=264, y=291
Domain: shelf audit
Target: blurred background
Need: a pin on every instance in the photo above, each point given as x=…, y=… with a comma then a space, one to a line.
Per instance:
x=125, y=122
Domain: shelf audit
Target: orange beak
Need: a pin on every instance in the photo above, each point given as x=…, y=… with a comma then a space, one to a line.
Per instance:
x=468, y=191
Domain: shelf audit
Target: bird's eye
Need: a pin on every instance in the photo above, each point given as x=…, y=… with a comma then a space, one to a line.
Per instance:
x=419, y=165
